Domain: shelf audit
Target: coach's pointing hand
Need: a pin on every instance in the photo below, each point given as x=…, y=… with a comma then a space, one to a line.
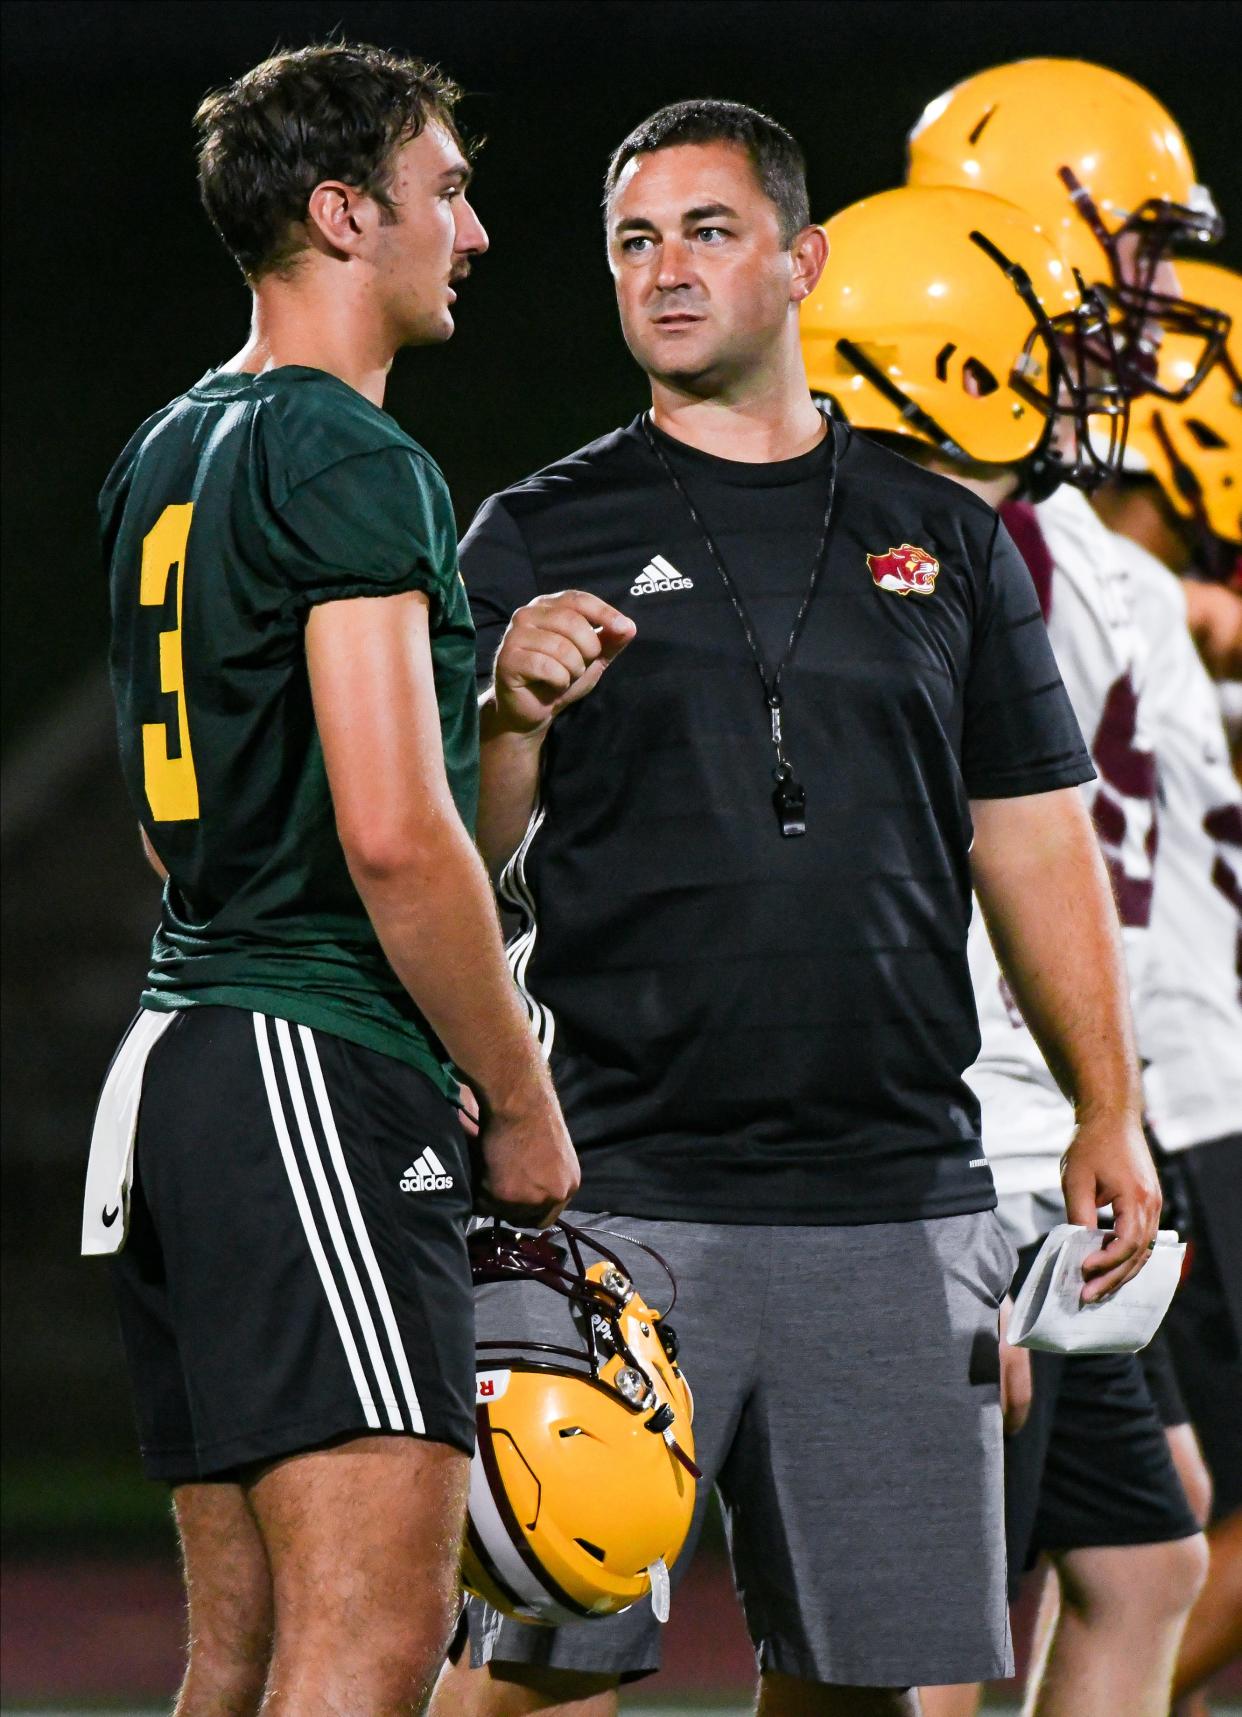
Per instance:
x=554, y=652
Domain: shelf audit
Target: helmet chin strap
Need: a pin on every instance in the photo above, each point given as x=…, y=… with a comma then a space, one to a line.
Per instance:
x=1039, y=475
x=919, y=420
x=661, y=1590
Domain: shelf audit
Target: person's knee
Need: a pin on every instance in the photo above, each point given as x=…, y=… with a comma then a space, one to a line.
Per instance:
x=1191, y=1470
x=1142, y=1584
x=1189, y=1569
x=403, y=1651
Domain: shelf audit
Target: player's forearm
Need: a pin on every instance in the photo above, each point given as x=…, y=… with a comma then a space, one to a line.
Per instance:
x=1214, y=613
x=433, y=912
x=508, y=785
x=1049, y=909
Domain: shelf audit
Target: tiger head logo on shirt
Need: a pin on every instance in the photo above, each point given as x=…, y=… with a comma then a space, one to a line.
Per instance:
x=907, y=570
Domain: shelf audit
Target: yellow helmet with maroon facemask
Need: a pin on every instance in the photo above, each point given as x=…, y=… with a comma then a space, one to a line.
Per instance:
x=1107, y=175
x=582, y=1486
x=947, y=317
x=1193, y=446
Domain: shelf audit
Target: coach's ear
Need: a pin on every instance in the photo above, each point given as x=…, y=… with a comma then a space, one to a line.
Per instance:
x=340, y=218
x=809, y=252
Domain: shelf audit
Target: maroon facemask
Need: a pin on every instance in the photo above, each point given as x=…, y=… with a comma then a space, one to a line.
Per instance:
x=1141, y=314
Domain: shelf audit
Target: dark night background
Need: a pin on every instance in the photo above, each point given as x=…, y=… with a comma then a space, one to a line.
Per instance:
x=117, y=295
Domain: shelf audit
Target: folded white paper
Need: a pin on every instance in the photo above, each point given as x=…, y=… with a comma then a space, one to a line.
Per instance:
x=1049, y=1313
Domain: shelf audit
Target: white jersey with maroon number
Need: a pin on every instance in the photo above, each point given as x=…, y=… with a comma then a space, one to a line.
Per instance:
x=1084, y=587
x=1229, y=694
x=1189, y=1010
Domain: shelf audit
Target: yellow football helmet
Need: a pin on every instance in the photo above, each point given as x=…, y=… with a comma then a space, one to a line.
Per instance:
x=947, y=316
x=583, y=1481
x=1193, y=447
x=1106, y=173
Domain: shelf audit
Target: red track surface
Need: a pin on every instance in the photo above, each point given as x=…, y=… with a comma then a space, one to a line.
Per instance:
x=97, y=1630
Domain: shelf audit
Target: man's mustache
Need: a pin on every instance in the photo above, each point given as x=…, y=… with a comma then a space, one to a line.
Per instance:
x=678, y=302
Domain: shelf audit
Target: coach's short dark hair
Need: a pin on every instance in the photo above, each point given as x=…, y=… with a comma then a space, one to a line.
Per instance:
x=337, y=110
x=779, y=164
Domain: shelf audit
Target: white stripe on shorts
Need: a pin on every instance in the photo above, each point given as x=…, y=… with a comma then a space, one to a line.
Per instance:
x=378, y=1284
x=308, y=1223
x=310, y=1144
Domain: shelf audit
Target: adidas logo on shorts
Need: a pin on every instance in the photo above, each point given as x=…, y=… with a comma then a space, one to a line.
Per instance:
x=658, y=576
x=426, y=1174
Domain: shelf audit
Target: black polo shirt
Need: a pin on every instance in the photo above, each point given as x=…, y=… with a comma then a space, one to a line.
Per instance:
x=744, y=1027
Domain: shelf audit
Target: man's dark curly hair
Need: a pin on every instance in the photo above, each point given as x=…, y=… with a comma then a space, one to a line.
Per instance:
x=337, y=110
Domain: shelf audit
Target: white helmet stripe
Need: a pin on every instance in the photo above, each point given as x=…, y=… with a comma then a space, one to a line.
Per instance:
x=533, y=1598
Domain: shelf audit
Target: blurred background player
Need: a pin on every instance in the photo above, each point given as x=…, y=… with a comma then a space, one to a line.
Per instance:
x=1179, y=494
x=972, y=356
x=1105, y=167
x=1097, y=161
x=1180, y=497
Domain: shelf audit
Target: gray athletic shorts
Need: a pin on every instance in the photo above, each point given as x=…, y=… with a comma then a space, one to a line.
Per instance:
x=846, y=1390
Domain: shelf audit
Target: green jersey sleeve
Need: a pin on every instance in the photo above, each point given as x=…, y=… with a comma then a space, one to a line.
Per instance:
x=373, y=524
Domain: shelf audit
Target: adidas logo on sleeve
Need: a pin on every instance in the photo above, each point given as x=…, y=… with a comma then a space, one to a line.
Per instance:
x=426, y=1174
x=658, y=576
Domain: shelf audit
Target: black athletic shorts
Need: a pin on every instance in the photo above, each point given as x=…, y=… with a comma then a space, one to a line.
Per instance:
x=1204, y=1325
x=1091, y=1466
x=296, y=1266
x=1162, y=1384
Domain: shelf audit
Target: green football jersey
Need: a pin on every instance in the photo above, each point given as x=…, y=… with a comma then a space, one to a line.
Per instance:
x=230, y=514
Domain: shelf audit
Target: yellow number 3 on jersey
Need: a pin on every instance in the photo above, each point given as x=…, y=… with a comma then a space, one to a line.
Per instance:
x=171, y=784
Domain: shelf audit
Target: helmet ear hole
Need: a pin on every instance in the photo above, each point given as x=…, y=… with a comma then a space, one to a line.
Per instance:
x=1203, y=433
x=978, y=379
x=976, y=130
x=942, y=360
x=591, y=1549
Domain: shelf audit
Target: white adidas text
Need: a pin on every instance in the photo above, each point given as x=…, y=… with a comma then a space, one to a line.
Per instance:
x=426, y=1174
x=658, y=576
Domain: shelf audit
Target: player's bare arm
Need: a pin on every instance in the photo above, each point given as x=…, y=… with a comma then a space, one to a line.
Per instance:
x=1215, y=617
x=554, y=653
x=425, y=891
x=151, y=856
x=1015, y=1379
x=1045, y=896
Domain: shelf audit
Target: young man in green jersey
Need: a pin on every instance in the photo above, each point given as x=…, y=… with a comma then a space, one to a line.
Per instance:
x=276, y=1145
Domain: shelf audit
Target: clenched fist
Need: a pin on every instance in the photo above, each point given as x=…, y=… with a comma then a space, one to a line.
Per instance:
x=554, y=652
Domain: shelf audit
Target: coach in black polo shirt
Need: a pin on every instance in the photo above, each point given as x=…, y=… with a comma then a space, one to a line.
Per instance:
x=757, y=677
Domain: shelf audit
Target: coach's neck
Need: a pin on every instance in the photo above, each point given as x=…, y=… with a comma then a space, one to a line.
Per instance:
x=756, y=416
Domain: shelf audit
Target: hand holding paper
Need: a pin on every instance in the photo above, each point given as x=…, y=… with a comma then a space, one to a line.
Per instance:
x=1053, y=1312
x=1109, y=1163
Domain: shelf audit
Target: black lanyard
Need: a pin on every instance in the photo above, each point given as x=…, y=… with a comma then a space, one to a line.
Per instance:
x=789, y=795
